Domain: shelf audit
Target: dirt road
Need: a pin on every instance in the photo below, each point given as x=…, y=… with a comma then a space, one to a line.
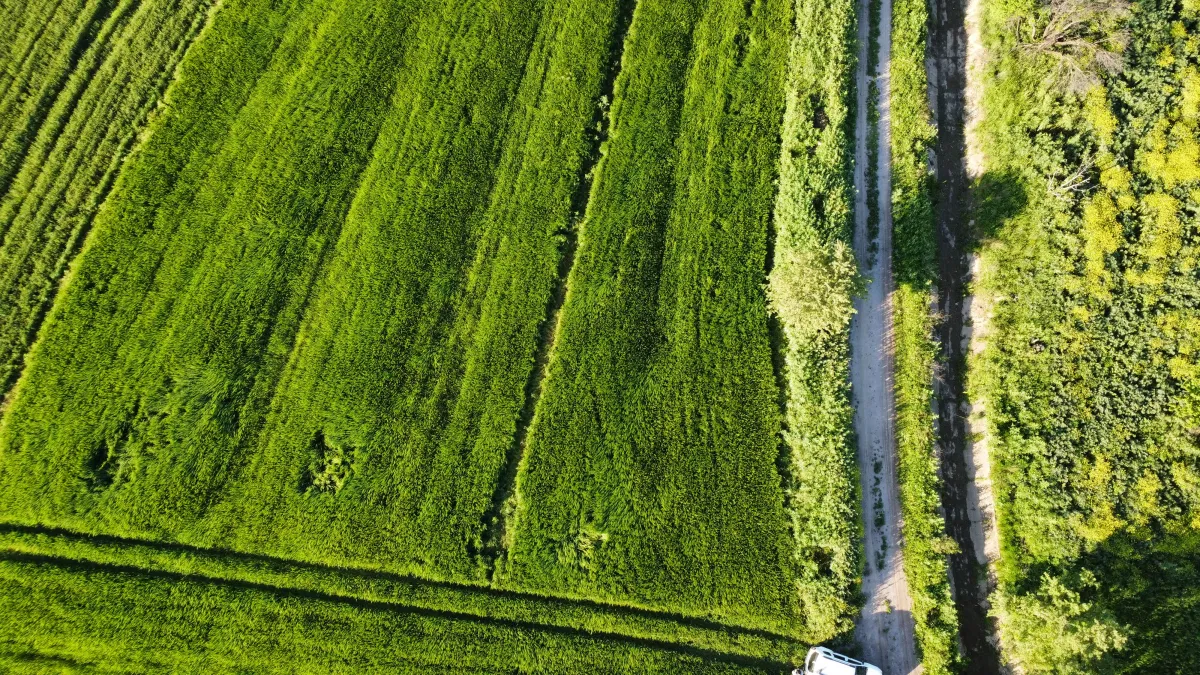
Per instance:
x=885, y=628
x=965, y=490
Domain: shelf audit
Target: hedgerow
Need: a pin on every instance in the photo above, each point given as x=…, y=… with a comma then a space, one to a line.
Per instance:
x=811, y=287
x=926, y=544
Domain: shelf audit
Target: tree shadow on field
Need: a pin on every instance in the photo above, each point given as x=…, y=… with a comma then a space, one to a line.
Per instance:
x=996, y=197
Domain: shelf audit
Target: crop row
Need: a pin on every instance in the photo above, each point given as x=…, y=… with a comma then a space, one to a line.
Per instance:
x=68, y=121
x=400, y=592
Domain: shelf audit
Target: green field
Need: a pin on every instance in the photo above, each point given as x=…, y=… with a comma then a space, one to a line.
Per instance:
x=500, y=336
x=73, y=103
x=419, y=336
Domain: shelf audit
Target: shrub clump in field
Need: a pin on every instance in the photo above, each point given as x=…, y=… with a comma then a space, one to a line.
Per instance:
x=331, y=467
x=812, y=289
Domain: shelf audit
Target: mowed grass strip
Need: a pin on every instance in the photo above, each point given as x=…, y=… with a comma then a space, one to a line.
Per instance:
x=391, y=427
x=72, y=162
x=400, y=591
x=58, y=613
x=166, y=345
x=650, y=472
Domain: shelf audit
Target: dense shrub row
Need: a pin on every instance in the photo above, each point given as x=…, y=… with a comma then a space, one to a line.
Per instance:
x=810, y=289
x=1089, y=211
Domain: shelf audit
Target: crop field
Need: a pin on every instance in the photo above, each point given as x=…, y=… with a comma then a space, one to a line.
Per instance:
x=72, y=103
x=348, y=335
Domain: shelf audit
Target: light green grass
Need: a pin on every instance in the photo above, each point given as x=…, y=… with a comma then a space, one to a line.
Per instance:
x=67, y=126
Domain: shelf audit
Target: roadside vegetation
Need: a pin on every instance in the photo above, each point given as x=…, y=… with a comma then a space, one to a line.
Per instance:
x=914, y=268
x=1088, y=215
x=811, y=285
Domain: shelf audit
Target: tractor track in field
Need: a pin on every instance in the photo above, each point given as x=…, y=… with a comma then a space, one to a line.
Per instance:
x=497, y=520
x=355, y=578
x=885, y=629
x=88, y=566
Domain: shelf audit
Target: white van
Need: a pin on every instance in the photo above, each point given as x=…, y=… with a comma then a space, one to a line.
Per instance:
x=822, y=661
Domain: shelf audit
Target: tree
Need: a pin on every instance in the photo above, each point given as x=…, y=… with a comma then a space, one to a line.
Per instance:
x=1083, y=37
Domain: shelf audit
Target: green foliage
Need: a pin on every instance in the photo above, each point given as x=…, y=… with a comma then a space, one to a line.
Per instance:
x=1089, y=374
x=810, y=288
x=926, y=545
x=1053, y=631
x=73, y=106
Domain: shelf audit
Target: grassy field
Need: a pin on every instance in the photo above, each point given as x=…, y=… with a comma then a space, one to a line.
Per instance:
x=1088, y=214
x=112, y=620
x=423, y=335
x=651, y=459
x=72, y=104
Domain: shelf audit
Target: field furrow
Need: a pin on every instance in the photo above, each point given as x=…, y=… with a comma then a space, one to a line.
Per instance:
x=71, y=164
x=51, y=41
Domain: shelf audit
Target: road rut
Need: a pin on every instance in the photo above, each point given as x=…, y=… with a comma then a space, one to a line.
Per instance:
x=885, y=627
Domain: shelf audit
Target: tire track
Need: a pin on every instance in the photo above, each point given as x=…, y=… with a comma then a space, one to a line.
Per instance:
x=89, y=567
x=387, y=588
